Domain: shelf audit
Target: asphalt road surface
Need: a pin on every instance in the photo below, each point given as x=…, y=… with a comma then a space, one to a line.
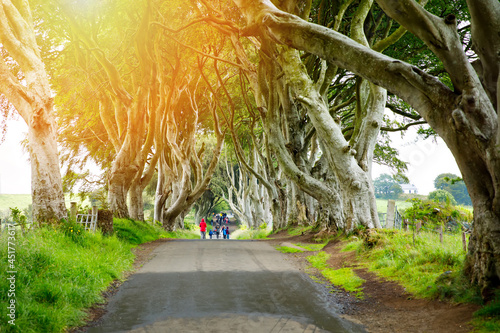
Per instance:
x=220, y=286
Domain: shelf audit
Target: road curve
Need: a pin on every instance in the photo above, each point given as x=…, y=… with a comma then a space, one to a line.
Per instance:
x=220, y=286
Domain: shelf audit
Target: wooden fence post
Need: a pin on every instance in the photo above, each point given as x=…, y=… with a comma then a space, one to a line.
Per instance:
x=441, y=234
x=464, y=241
x=72, y=211
x=419, y=225
x=391, y=213
x=93, y=218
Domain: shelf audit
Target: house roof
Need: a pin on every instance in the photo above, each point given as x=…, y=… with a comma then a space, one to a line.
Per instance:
x=408, y=187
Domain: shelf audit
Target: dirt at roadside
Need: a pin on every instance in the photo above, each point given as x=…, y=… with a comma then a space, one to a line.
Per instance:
x=386, y=306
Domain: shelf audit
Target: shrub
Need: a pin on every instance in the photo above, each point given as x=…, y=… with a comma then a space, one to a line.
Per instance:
x=191, y=226
x=442, y=196
x=433, y=214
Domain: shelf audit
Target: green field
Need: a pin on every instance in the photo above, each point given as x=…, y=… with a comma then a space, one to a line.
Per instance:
x=382, y=205
x=22, y=201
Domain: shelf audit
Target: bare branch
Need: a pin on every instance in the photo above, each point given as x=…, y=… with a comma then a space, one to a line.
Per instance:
x=403, y=128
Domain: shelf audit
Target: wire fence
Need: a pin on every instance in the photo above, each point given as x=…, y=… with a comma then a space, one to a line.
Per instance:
x=417, y=226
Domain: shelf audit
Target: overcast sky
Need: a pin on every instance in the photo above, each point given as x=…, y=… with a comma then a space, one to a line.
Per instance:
x=15, y=170
x=427, y=160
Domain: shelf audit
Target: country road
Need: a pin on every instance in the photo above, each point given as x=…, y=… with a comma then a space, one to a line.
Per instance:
x=220, y=286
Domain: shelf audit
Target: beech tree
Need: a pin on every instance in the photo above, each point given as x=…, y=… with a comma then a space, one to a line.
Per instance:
x=465, y=115
x=24, y=82
x=296, y=94
x=183, y=172
x=182, y=177
x=246, y=195
x=124, y=89
x=256, y=192
x=295, y=112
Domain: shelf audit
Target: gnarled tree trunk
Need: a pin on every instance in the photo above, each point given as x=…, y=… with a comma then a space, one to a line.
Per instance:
x=32, y=99
x=466, y=117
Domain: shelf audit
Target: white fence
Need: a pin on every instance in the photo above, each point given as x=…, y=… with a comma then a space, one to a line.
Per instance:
x=89, y=221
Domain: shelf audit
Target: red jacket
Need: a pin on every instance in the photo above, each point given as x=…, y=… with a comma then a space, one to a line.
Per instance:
x=203, y=226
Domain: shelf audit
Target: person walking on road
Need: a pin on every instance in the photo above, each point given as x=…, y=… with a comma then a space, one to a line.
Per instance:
x=227, y=232
x=203, y=229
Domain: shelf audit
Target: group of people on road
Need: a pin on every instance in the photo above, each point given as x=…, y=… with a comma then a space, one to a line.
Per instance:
x=218, y=230
x=222, y=231
x=220, y=218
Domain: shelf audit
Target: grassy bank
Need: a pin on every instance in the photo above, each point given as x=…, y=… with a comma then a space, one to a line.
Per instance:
x=425, y=267
x=244, y=233
x=418, y=264
x=60, y=272
x=343, y=277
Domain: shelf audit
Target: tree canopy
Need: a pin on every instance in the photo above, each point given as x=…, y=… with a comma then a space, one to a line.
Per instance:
x=455, y=186
x=386, y=187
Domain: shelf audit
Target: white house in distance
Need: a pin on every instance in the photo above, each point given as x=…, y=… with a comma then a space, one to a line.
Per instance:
x=409, y=188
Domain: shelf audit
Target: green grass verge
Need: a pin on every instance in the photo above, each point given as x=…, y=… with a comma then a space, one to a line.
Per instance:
x=487, y=319
x=427, y=269
x=352, y=245
x=345, y=277
x=419, y=267
x=287, y=249
x=304, y=247
x=243, y=233
x=296, y=231
x=182, y=234
x=135, y=232
x=59, y=273
x=311, y=247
